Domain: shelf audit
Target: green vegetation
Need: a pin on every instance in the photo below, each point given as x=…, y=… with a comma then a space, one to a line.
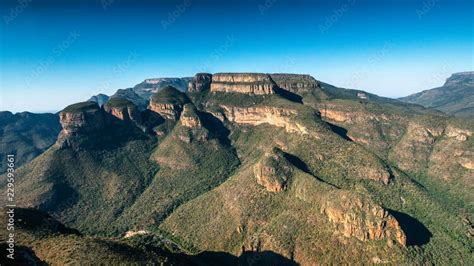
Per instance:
x=118, y=102
x=81, y=107
x=170, y=95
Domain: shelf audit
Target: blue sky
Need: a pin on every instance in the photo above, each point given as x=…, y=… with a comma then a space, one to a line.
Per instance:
x=54, y=53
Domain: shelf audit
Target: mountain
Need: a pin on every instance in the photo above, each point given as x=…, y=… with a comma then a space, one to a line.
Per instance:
x=100, y=99
x=141, y=93
x=455, y=97
x=26, y=135
x=271, y=169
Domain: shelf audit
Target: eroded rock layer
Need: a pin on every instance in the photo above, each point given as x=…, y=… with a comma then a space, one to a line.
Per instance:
x=248, y=83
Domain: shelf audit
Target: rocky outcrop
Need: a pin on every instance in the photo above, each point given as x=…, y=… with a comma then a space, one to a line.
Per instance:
x=168, y=102
x=82, y=118
x=189, y=117
x=260, y=115
x=457, y=133
x=273, y=171
x=248, y=83
x=295, y=83
x=362, y=219
x=123, y=109
x=201, y=82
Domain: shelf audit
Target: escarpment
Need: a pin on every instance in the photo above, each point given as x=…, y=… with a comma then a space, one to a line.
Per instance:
x=248, y=83
x=255, y=116
x=168, y=102
x=355, y=217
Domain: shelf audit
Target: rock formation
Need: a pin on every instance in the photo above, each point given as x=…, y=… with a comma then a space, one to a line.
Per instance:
x=201, y=82
x=168, y=102
x=295, y=83
x=259, y=115
x=273, y=171
x=81, y=118
x=123, y=109
x=248, y=83
x=362, y=219
x=189, y=117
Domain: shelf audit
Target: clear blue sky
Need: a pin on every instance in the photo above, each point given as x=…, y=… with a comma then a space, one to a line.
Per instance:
x=54, y=53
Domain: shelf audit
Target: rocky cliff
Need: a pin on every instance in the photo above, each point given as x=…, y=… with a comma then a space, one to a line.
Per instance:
x=248, y=83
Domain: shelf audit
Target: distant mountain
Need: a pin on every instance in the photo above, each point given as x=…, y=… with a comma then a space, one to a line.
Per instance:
x=100, y=99
x=455, y=97
x=150, y=86
x=26, y=135
x=130, y=94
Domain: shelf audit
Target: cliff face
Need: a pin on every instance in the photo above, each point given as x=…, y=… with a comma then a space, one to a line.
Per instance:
x=82, y=118
x=294, y=82
x=201, y=82
x=259, y=115
x=362, y=219
x=249, y=83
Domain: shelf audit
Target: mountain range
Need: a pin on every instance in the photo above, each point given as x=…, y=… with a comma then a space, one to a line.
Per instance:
x=251, y=169
x=455, y=97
